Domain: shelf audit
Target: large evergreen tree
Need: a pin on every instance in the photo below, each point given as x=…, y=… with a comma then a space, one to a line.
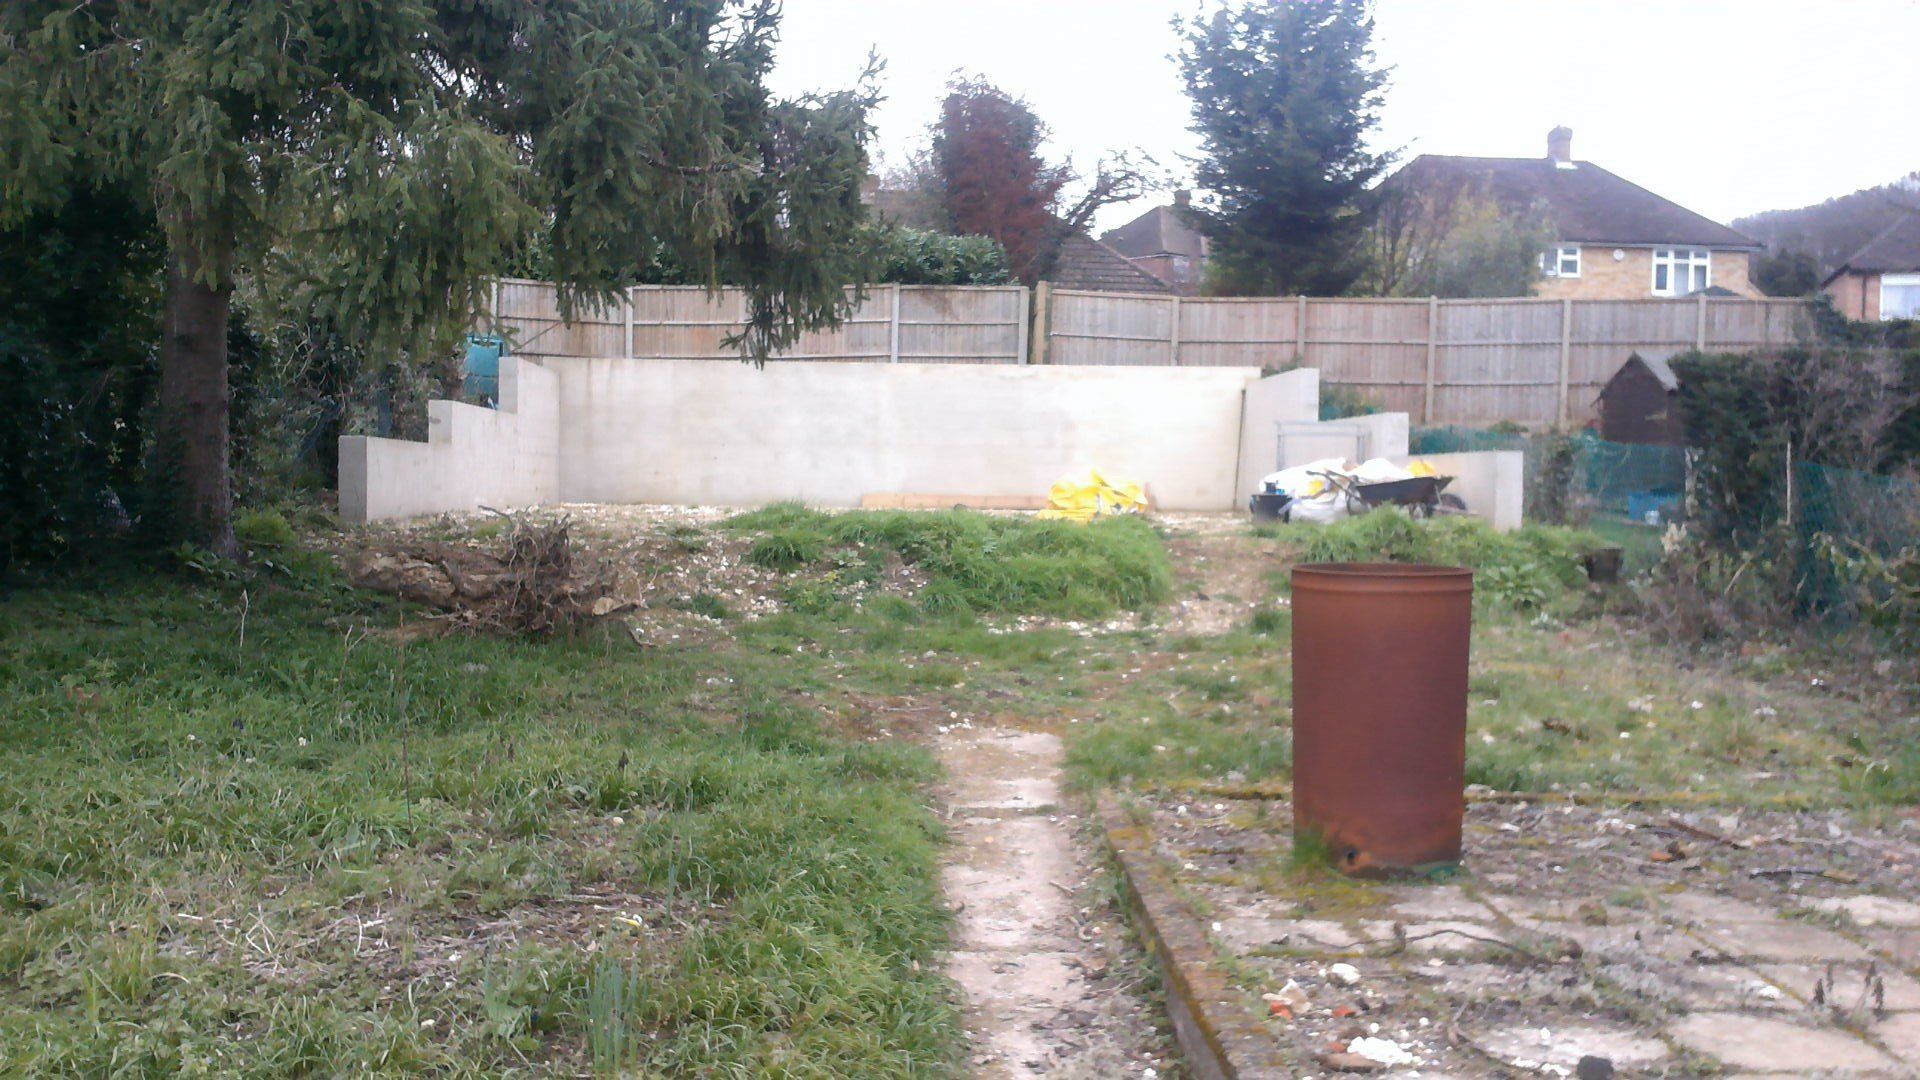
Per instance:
x=1284, y=94
x=402, y=149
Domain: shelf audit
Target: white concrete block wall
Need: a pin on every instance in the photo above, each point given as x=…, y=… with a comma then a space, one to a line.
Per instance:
x=715, y=432
x=1491, y=482
x=1273, y=403
x=580, y=429
x=473, y=456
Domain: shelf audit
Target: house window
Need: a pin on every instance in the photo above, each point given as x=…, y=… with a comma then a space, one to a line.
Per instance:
x=1681, y=271
x=1900, y=296
x=1560, y=262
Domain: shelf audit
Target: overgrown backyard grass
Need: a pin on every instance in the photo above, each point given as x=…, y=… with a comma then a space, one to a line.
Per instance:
x=240, y=835
x=1563, y=696
x=974, y=562
x=271, y=830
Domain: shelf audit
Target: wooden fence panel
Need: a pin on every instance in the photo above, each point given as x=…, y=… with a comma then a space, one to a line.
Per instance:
x=1497, y=360
x=942, y=325
x=529, y=313
x=1377, y=347
x=1110, y=328
x=1239, y=332
x=932, y=324
x=1441, y=361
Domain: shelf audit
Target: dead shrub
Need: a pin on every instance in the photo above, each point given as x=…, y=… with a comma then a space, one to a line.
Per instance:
x=530, y=581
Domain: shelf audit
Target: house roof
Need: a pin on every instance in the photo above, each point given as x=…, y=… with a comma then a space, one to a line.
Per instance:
x=1895, y=251
x=1586, y=203
x=1086, y=263
x=1159, y=231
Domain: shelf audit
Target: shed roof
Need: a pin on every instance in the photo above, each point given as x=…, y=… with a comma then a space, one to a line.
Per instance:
x=1585, y=203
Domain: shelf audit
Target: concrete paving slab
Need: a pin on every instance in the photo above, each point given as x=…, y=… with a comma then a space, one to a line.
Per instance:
x=1901, y=993
x=1414, y=903
x=1901, y=1035
x=1245, y=934
x=1764, y=1044
x=1711, y=909
x=1532, y=1047
x=1780, y=940
x=1869, y=910
x=1454, y=936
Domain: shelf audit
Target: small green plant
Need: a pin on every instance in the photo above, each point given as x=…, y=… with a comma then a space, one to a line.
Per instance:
x=705, y=604
x=689, y=537
x=787, y=549
x=613, y=994
x=1519, y=570
x=263, y=530
x=1269, y=620
x=976, y=561
x=810, y=597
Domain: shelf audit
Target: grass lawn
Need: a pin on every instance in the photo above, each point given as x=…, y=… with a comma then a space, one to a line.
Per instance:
x=313, y=850
x=266, y=828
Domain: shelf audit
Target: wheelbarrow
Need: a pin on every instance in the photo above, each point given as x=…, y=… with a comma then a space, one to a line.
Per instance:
x=1420, y=496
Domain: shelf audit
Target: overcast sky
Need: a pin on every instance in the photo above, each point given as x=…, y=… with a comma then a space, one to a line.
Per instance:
x=1725, y=107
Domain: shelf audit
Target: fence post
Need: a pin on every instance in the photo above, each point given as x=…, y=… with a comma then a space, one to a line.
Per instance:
x=627, y=348
x=1700, y=324
x=1433, y=333
x=1042, y=301
x=1300, y=329
x=1021, y=320
x=1173, y=335
x=1566, y=360
x=893, y=326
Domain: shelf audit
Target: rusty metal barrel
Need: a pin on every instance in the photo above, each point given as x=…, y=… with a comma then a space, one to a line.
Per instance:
x=1380, y=713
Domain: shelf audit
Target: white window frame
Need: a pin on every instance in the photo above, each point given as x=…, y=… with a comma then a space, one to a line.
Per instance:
x=1898, y=281
x=1674, y=259
x=1554, y=260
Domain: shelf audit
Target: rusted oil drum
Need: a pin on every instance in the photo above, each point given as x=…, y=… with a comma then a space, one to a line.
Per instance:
x=1380, y=713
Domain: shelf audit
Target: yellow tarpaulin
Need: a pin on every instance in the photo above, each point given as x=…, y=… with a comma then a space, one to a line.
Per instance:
x=1085, y=498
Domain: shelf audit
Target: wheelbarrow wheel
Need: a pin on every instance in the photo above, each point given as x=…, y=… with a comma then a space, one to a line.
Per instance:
x=1451, y=504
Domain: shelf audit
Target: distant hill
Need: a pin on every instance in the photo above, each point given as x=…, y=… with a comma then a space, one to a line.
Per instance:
x=1838, y=227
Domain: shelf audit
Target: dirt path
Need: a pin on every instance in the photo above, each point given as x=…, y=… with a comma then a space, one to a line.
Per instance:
x=1050, y=984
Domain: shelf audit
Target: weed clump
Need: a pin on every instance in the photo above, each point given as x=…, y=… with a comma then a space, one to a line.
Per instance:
x=1522, y=570
x=977, y=562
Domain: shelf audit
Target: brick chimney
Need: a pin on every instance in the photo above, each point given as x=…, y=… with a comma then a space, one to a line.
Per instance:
x=1560, y=146
x=1183, y=198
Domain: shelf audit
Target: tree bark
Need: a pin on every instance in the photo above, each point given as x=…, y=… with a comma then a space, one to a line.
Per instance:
x=194, y=402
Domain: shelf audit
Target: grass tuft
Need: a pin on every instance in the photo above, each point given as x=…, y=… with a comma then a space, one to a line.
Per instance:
x=1525, y=569
x=978, y=562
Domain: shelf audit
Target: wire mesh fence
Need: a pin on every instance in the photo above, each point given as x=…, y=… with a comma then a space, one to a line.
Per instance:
x=1579, y=479
x=1846, y=542
x=1855, y=541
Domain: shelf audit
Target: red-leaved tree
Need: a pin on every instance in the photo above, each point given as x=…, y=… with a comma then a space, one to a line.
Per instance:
x=986, y=154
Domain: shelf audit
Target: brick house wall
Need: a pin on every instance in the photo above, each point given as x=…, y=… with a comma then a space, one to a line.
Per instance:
x=1601, y=278
x=1856, y=295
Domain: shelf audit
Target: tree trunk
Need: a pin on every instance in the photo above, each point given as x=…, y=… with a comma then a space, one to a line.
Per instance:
x=193, y=404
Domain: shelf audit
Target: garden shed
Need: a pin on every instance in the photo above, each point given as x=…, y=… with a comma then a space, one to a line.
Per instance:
x=1641, y=405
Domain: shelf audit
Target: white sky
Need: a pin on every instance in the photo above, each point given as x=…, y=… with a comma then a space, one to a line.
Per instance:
x=1725, y=107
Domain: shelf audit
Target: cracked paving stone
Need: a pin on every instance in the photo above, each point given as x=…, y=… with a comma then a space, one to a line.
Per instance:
x=1763, y=1044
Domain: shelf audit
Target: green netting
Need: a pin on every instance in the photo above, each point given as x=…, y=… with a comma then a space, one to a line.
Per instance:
x=1850, y=532
x=1578, y=478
